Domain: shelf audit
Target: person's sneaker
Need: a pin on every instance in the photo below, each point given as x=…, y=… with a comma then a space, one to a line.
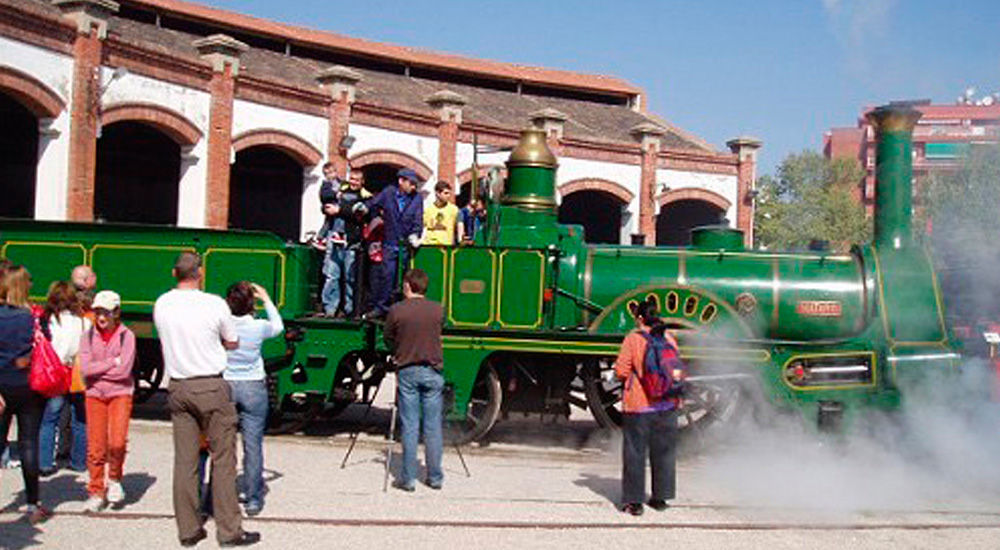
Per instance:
x=94, y=504
x=37, y=514
x=436, y=485
x=245, y=539
x=657, y=504
x=116, y=494
x=194, y=539
x=408, y=487
x=253, y=508
x=633, y=508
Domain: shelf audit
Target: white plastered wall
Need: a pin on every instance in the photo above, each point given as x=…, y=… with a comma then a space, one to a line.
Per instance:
x=55, y=71
x=721, y=184
x=422, y=148
x=314, y=130
x=195, y=106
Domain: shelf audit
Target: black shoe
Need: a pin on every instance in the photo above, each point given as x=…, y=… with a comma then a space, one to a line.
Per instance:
x=633, y=508
x=246, y=539
x=657, y=504
x=47, y=472
x=436, y=485
x=403, y=486
x=194, y=539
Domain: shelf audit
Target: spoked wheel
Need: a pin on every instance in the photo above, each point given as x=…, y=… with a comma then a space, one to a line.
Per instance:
x=292, y=415
x=705, y=404
x=147, y=371
x=482, y=410
x=357, y=378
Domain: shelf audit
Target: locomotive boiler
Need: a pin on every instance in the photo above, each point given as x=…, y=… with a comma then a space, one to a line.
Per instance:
x=535, y=315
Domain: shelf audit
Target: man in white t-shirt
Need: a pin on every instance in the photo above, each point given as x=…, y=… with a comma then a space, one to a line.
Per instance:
x=195, y=330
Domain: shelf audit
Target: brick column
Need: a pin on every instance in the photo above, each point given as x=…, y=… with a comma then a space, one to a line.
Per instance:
x=223, y=52
x=342, y=83
x=449, y=107
x=649, y=136
x=745, y=148
x=553, y=122
x=91, y=18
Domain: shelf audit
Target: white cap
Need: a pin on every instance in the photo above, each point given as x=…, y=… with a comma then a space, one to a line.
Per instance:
x=106, y=299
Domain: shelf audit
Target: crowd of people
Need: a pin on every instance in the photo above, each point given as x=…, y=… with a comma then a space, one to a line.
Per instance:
x=211, y=349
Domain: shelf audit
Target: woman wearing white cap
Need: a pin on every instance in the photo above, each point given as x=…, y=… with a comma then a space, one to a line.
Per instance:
x=107, y=352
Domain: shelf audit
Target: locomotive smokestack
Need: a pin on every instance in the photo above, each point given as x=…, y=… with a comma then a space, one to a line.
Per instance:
x=894, y=173
x=531, y=174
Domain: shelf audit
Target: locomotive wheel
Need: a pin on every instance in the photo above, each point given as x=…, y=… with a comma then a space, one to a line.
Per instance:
x=704, y=404
x=482, y=411
x=356, y=380
x=292, y=415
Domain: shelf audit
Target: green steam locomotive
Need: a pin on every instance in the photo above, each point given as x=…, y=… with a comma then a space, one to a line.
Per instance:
x=534, y=315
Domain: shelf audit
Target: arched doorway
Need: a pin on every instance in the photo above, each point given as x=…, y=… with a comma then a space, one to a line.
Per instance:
x=265, y=191
x=18, y=158
x=377, y=176
x=678, y=218
x=138, y=170
x=599, y=213
x=380, y=167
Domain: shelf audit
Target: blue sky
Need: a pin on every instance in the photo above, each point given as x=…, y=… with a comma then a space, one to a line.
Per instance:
x=783, y=71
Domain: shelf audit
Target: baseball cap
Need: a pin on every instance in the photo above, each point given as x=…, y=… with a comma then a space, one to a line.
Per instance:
x=106, y=299
x=409, y=174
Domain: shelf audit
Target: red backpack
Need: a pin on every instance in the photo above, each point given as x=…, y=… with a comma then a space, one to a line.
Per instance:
x=48, y=376
x=662, y=369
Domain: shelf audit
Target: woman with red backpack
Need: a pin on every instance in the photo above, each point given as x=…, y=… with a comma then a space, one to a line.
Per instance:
x=652, y=375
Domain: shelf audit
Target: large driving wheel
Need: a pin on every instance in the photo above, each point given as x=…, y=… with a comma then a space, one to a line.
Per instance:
x=357, y=378
x=704, y=403
x=482, y=410
x=293, y=414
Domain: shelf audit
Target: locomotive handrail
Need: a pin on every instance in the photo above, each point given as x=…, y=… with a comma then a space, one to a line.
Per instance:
x=580, y=301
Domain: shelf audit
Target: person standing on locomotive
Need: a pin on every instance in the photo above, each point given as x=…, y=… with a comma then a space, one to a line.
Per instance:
x=347, y=256
x=402, y=210
x=472, y=217
x=330, y=237
x=196, y=329
x=648, y=425
x=413, y=334
x=441, y=223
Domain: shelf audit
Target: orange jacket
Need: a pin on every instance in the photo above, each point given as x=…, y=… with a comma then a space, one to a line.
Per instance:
x=628, y=368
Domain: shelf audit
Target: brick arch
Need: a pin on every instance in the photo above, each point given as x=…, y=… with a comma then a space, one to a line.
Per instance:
x=596, y=184
x=395, y=158
x=299, y=149
x=465, y=176
x=30, y=92
x=175, y=125
x=692, y=193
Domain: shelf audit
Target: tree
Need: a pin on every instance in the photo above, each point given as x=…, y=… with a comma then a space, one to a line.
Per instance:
x=811, y=199
x=962, y=210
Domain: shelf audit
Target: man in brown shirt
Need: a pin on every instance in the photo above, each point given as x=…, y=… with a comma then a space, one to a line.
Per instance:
x=413, y=334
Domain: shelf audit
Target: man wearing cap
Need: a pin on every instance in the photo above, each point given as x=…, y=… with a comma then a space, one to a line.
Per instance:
x=402, y=210
x=195, y=330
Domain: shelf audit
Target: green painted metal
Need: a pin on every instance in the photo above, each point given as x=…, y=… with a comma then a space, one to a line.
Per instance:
x=717, y=238
x=894, y=200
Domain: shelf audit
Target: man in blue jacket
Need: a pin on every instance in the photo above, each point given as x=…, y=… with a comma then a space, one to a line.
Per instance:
x=402, y=211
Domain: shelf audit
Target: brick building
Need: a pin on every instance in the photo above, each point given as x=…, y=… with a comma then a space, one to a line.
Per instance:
x=161, y=111
x=940, y=139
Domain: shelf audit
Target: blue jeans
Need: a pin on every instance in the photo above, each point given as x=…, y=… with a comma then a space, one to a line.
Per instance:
x=338, y=267
x=250, y=397
x=50, y=425
x=420, y=392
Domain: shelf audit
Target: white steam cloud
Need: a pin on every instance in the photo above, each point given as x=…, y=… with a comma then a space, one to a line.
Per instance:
x=856, y=24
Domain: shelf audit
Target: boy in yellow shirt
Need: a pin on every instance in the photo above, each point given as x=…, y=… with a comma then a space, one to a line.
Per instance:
x=441, y=218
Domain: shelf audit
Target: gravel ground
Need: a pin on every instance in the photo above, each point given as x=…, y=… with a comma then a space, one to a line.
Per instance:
x=553, y=489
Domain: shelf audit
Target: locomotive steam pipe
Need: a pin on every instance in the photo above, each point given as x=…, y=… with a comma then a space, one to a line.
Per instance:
x=894, y=125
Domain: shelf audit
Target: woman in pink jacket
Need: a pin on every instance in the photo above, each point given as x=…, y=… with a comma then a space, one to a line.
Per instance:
x=107, y=352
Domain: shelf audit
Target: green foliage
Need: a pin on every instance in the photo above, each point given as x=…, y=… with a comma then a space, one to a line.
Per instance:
x=964, y=212
x=811, y=198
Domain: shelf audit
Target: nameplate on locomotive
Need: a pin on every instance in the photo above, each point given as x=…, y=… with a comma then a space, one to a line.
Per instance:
x=819, y=308
x=471, y=286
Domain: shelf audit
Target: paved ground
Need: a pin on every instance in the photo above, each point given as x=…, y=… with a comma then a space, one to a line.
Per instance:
x=554, y=488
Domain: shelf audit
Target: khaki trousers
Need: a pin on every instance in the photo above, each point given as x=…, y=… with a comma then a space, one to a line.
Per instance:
x=203, y=405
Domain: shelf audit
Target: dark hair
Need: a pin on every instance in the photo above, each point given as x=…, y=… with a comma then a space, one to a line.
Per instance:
x=442, y=185
x=417, y=279
x=648, y=313
x=327, y=165
x=186, y=266
x=5, y=264
x=240, y=298
x=62, y=297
